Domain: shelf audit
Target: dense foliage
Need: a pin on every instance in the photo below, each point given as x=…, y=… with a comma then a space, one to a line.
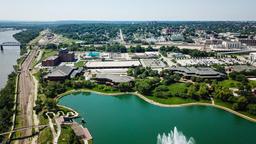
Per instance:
x=26, y=36
x=192, y=52
x=7, y=103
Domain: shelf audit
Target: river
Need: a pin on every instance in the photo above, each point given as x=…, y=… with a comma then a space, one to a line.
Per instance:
x=8, y=56
x=130, y=120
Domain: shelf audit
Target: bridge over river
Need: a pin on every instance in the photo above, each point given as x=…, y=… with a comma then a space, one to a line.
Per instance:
x=9, y=44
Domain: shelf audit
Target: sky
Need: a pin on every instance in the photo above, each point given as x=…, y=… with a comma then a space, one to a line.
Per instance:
x=128, y=10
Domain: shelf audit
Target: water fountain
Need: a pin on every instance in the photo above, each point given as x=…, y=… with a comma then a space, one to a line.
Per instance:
x=175, y=137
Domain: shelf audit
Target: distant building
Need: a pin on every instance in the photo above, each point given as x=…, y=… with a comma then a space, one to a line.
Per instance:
x=146, y=55
x=213, y=42
x=202, y=72
x=232, y=44
x=177, y=55
x=177, y=37
x=112, y=79
x=51, y=61
x=253, y=57
x=153, y=63
x=111, y=64
x=240, y=68
x=66, y=56
x=60, y=73
x=248, y=42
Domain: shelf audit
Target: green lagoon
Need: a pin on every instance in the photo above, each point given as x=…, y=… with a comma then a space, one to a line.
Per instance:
x=130, y=120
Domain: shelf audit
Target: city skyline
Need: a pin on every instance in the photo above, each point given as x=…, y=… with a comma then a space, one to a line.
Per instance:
x=114, y=10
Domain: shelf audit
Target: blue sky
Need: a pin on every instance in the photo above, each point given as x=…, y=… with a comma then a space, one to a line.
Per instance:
x=172, y=10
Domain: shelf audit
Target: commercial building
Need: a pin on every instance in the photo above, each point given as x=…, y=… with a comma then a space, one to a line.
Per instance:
x=248, y=42
x=253, y=57
x=51, y=61
x=66, y=56
x=202, y=72
x=240, y=68
x=63, y=56
x=146, y=55
x=111, y=64
x=177, y=55
x=111, y=79
x=232, y=44
x=177, y=37
x=213, y=42
x=153, y=63
x=62, y=73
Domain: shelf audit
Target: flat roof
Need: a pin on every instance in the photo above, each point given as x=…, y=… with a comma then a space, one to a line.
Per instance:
x=111, y=64
x=61, y=71
x=110, y=71
x=153, y=63
x=115, y=78
x=52, y=58
x=197, y=71
x=240, y=68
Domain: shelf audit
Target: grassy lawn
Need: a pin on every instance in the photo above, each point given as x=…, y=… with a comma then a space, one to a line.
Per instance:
x=229, y=105
x=230, y=83
x=175, y=100
x=45, y=135
x=47, y=53
x=221, y=103
x=37, y=75
x=178, y=88
x=105, y=89
x=79, y=64
x=252, y=84
x=66, y=40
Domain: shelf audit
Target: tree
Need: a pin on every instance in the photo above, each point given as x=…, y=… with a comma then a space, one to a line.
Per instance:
x=51, y=104
x=203, y=91
x=161, y=91
x=240, y=104
x=192, y=92
x=130, y=72
x=143, y=87
x=252, y=109
x=125, y=87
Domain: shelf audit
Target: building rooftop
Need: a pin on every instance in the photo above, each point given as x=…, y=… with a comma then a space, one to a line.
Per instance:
x=61, y=71
x=240, y=68
x=52, y=58
x=111, y=64
x=81, y=132
x=115, y=78
x=153, y=63
x=76, y=72
x=203, y=72
x=110, y=71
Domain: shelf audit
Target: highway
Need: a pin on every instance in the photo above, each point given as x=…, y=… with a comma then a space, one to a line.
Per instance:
x=26, y=97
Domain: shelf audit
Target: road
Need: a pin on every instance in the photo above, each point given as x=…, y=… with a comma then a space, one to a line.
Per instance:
x=26, y=97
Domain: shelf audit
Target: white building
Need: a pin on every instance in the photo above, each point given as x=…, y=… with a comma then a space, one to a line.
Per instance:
x=253, y=57
x=232, y=44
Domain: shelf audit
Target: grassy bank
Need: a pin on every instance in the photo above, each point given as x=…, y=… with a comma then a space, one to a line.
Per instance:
x=173, y=102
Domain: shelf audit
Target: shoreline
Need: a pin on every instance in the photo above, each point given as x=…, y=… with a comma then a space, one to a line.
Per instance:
x=154, y=102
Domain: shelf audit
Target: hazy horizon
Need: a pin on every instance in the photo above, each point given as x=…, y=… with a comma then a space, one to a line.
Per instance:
x=124, y=10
